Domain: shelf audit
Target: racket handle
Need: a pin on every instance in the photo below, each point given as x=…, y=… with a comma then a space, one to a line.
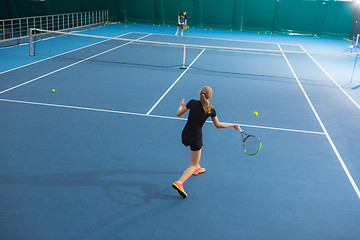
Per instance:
x=240, y=130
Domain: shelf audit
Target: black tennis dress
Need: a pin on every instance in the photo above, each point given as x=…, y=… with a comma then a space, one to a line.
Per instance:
x=192, y=133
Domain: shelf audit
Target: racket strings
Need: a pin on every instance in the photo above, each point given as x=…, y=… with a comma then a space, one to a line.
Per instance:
x=251, y=145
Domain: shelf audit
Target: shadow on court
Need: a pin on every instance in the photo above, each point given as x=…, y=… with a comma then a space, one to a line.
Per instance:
x=124, y=192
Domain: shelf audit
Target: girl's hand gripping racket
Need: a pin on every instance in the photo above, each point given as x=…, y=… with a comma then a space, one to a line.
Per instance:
x=251, y=143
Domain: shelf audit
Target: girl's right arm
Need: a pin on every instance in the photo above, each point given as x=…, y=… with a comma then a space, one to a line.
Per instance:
x=224, y=125
x=181, y=110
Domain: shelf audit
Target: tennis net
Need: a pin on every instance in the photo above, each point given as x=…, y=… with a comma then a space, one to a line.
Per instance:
x=266, y=62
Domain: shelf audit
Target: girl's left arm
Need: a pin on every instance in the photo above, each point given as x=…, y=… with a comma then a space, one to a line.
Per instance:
x=181, y=110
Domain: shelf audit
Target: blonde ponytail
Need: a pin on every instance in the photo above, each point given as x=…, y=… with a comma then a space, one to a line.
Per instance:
x=205, y=95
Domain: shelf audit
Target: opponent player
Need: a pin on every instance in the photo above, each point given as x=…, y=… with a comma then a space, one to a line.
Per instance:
x=192, y=133
x=181, y=22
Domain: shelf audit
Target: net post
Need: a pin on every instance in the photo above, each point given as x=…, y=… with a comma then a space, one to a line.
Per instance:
x=352, y=75
x=357, y=40
x=184, y=57
x=30, y=42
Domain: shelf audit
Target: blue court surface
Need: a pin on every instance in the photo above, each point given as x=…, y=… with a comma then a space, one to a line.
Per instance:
x=96, y=158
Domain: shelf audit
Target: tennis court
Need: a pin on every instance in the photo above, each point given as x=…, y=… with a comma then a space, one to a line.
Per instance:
x=96, y=158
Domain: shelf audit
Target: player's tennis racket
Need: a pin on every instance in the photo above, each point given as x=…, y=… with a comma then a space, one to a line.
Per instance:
x=251, y=143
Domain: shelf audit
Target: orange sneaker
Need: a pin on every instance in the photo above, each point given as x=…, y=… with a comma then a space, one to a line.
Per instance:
x=199, y=170
x=179, y=187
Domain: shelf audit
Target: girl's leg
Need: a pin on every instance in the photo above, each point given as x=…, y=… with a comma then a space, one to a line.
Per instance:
x=194, y=164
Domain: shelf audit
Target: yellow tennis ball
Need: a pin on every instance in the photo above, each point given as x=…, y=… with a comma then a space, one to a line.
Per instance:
x=53, y=90
x=256, y=113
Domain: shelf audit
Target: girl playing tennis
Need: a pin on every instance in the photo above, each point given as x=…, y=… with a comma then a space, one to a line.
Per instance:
x=192, y=133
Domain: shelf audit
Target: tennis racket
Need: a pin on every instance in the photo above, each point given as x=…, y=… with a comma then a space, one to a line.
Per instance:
x=251, y=143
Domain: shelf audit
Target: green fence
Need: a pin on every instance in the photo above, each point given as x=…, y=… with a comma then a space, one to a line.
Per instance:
x=331, y=18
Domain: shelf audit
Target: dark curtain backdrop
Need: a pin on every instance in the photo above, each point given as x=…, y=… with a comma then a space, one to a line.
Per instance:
x=307, y=17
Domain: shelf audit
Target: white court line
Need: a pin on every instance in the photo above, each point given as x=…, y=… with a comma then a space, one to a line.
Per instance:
x=147, y=115
x=332, y=79
x=224, y=39
x=280, y=129
x=158, y=101
x=70, y=65
x=60, y=54
x=324, y=129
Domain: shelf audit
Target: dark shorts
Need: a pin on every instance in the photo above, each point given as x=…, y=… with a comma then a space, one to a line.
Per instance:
x=195, y=142
x=181, y=25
